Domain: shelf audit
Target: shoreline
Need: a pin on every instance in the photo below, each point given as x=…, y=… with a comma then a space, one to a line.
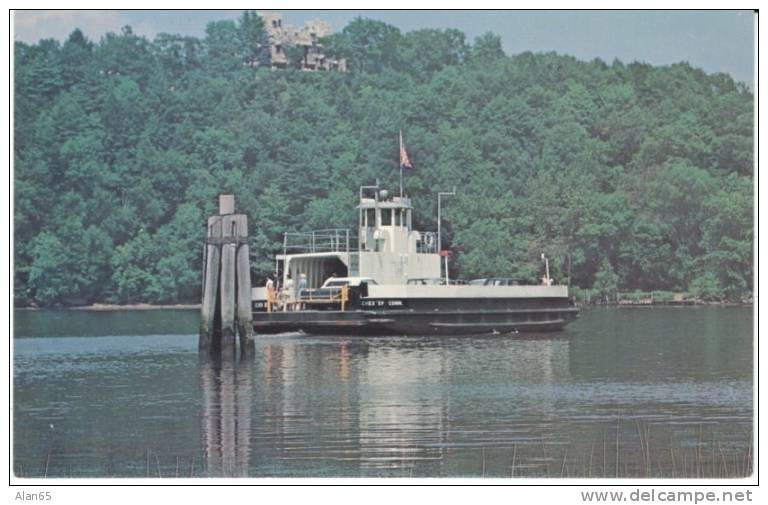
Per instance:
x=668, y=304
x=103, y=307
x=106, y=307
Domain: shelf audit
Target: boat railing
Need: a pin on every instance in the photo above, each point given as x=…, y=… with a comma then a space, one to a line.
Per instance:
x=307, y=298
x=319, y=241
x=342, y=240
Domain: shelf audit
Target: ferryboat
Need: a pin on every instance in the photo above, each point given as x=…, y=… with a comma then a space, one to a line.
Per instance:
x=385, y=278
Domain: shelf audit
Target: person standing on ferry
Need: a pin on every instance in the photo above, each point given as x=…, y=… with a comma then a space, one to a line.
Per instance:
x=302, y=287
x=288, y=292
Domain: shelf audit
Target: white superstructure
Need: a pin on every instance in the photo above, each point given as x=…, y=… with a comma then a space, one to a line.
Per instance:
x=384, y=279
x=385, y=246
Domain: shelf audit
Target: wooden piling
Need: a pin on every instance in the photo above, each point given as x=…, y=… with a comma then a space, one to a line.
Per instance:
x=244, y=314
x=228, y=284
x=226, y=305
x=210, y=284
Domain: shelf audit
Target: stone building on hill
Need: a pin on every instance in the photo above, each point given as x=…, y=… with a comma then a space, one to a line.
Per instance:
x=289, y=45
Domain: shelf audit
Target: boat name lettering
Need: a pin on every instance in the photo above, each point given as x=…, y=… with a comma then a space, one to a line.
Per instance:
x=382, y=303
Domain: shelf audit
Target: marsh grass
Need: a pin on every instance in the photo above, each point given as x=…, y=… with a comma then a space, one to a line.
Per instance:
x=625, y=449
x=652, y=452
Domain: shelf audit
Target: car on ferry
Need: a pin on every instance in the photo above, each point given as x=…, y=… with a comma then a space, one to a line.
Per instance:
x=497, y=281
x=334, y=282
x=327, y=296
x=435, y=281
x=332, y=286
x=431, y=281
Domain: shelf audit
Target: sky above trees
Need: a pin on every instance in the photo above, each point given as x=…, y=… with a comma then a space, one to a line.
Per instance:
x=716, y=41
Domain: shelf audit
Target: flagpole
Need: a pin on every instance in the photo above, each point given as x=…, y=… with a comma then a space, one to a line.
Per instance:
x=401, y=181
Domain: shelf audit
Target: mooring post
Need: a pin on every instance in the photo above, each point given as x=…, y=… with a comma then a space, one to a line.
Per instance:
x=210, y=284
x=228, y=284
x=244, y=315
x=226, y=305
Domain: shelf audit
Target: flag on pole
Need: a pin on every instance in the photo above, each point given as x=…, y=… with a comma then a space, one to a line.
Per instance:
x=405, y=161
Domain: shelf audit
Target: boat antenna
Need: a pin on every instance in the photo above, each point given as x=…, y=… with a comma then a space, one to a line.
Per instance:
x=402, y=150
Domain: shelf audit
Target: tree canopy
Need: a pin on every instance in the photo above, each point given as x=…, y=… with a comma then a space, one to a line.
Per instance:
x=628, y=176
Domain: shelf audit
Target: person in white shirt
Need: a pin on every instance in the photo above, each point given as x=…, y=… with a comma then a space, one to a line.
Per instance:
x=302, y=286
x=289, y=293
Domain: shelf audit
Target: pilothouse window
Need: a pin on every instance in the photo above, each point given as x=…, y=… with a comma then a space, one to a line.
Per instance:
x=386, y=217
x=370, y=218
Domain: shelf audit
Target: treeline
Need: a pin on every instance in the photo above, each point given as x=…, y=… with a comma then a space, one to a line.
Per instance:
x=627, y=176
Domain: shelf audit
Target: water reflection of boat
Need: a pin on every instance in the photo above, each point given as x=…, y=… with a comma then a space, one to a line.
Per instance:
x=389, y=280
x=225, y=420
x=364, y=406
x=300, y=422
x=410, y=428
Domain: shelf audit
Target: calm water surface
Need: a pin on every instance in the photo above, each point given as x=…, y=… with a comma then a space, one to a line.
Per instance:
x=656, y=392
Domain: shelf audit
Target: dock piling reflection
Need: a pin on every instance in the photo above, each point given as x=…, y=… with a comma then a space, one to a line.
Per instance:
x=225, y=417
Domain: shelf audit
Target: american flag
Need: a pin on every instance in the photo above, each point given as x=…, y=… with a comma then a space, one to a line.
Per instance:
x=405, y=161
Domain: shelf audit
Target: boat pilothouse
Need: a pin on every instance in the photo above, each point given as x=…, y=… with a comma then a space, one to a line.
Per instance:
x=374, y=281
x=385, y=247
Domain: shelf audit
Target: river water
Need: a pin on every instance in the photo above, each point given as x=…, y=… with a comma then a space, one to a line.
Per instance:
x=627, y=392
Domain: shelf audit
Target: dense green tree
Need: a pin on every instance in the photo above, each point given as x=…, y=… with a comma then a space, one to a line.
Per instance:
x=254, y=39
x=49, y=272
x=427, y=51
x=487, y=48
x=223, y=45
x=125, y=56
x=606, y=281
x=707, y=287
x=76, y=57
x=370, y=46
x=177, y=54
x=627, y=176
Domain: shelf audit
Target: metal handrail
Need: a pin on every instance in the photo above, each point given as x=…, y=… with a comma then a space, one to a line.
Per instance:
x=276, y=300
x=343, y=240
x=330, y=240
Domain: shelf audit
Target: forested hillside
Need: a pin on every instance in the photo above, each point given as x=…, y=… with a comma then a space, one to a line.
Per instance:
x=628, y=176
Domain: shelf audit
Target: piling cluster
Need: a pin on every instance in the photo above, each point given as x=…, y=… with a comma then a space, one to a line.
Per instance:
x=226, y=305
